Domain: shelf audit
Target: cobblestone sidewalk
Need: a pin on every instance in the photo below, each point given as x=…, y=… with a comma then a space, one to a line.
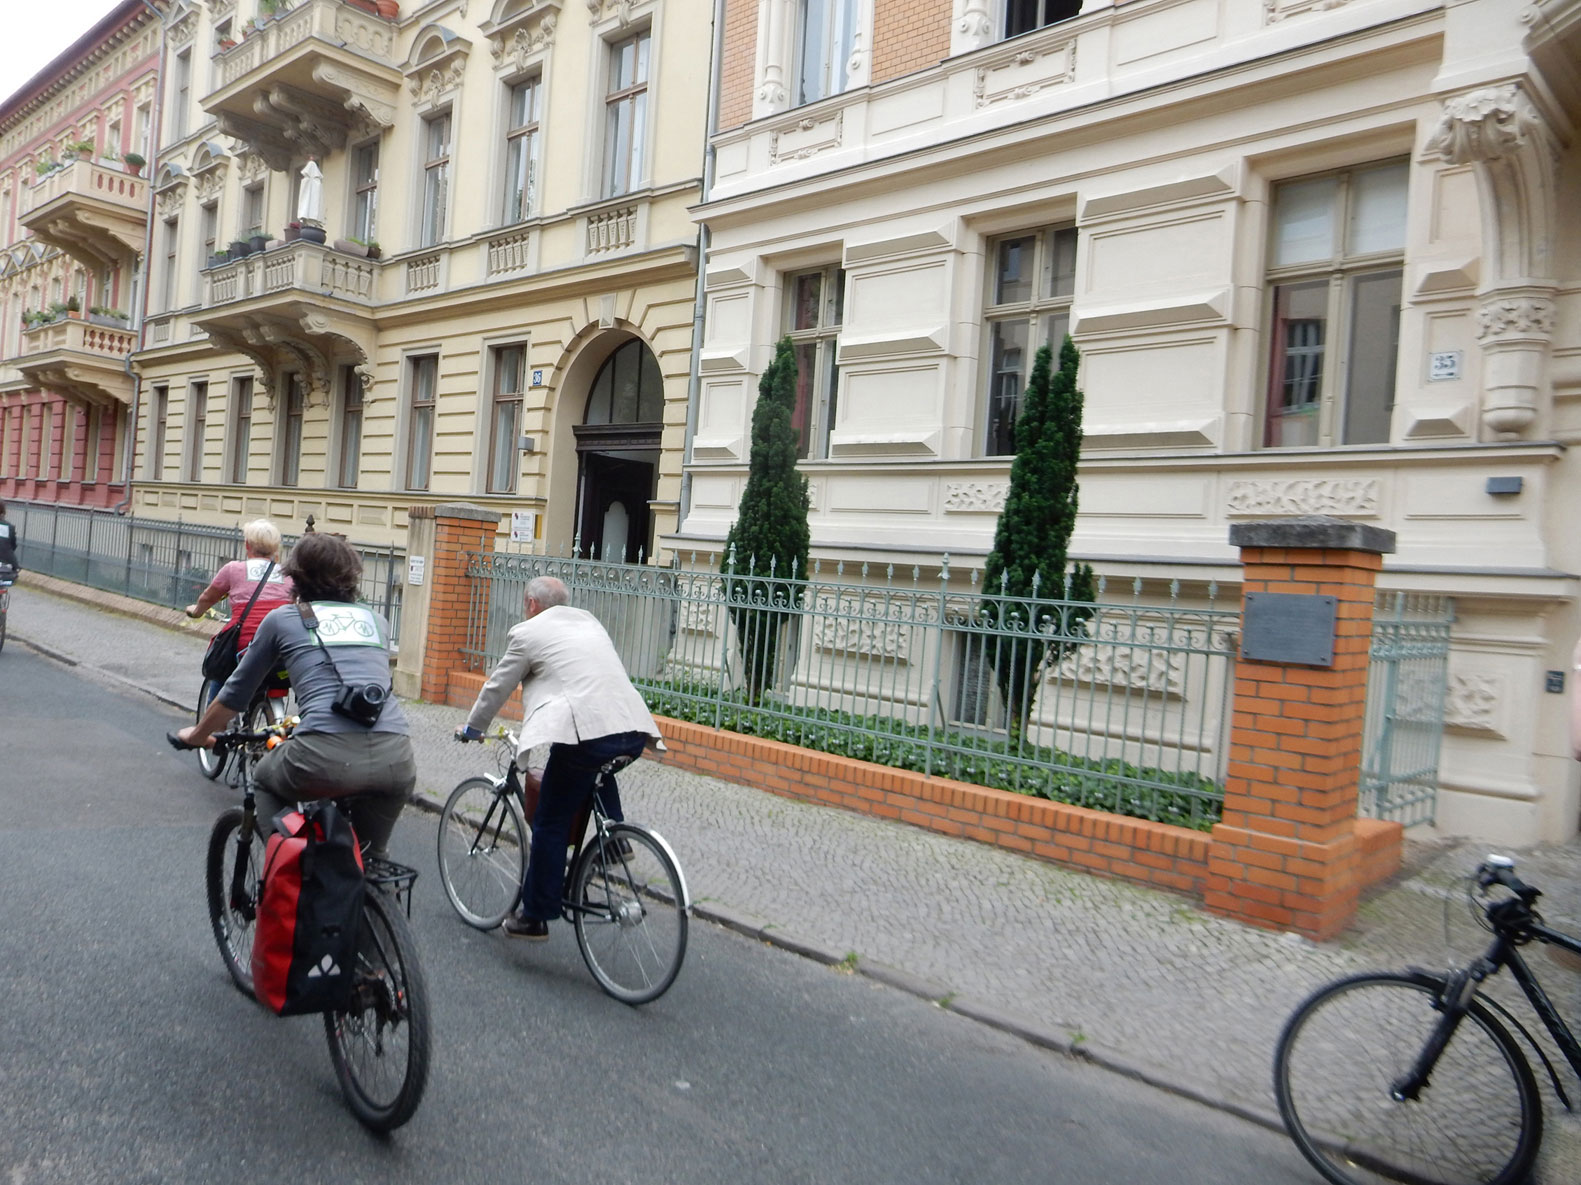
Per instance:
x=1141, y=981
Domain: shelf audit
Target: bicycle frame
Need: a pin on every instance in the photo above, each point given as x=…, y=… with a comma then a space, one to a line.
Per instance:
x=1461, y=988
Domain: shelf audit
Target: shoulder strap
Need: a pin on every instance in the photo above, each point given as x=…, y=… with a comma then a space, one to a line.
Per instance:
x=310, y=624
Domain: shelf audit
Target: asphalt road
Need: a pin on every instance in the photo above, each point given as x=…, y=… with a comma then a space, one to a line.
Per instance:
x=127, y=1056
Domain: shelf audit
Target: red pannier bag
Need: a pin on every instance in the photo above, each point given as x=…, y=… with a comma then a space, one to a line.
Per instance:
x=305, y=941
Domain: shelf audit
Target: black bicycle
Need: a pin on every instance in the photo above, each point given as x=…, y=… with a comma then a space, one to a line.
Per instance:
x=1414, y=1076
x=7, y=579
x=625, y=894
x=379, y=1043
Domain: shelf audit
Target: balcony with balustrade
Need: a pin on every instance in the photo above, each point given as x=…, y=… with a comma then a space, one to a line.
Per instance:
x=96, y=214
x=299, y=306
x=304, y=81
x=79, y=360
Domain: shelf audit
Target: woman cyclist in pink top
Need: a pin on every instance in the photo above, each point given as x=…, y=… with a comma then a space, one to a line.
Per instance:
x=238, y=578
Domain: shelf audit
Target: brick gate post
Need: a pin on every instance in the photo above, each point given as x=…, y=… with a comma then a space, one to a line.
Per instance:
x=1286, y=854
x=459, y=527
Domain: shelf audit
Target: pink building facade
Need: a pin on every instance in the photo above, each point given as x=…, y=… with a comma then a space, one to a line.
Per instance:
x=73, y=228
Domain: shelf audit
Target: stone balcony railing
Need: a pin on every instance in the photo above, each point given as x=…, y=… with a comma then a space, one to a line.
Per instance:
x=89, y=179
x=94, y=213
x=77, y=336
x=292, y=269
x=78, y=359
x=333, y=21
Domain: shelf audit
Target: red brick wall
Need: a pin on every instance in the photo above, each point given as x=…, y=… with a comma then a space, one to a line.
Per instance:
x=909, y=35
x=738, y=63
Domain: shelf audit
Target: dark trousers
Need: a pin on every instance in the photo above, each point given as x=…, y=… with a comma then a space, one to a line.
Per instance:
x=567, y=785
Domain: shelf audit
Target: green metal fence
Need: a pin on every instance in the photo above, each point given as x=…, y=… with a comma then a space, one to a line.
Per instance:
x=1407, y=681
x=1119, y=705
x=168, y=563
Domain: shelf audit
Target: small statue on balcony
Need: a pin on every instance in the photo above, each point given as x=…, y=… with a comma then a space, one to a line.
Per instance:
x=310, y=201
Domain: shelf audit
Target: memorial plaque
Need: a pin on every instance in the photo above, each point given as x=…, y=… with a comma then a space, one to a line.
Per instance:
x=1289, y=628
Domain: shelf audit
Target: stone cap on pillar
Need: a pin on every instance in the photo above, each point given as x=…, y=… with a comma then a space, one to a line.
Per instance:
x=1316, y=532
x=463, y=510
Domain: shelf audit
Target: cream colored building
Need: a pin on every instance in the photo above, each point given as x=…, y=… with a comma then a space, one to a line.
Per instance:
x=1319, y=256
x=520, y=334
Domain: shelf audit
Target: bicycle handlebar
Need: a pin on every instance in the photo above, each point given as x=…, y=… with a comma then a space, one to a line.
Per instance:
x=233, y=738
x=1500, y=870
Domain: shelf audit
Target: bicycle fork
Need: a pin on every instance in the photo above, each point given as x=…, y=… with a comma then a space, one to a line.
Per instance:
x=1454, y=1001
x=241, y=900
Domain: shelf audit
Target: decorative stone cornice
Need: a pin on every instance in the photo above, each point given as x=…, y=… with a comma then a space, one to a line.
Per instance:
x=430, y=86
x=183, y=29
x=620, y=10
x=517, y=48
x=1487, y=125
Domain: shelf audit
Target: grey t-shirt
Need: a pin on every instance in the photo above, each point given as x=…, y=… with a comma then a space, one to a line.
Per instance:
x=358, y=639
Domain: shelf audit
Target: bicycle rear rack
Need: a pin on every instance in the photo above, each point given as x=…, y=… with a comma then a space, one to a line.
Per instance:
x=395, y=879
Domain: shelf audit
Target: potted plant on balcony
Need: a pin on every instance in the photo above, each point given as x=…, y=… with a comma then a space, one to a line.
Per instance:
x=258, y=239
x=74, y=308
x=219, y=258
x=240, y=248
x=293, y=232
x=83, y=148
x=57, y=310
x=312, y=234
x=134, y=162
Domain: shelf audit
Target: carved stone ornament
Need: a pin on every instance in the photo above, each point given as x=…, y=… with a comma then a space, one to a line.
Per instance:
x=429, y=86
x=799, y=146
x=975, y=496
x=1013, y=77
x=1485, y=125
x=524, y=42
x=183, y=29
x=1278, y=10
x=1473, y=703
x=249, y=165
x=1295, y=496
x=621, y=10
x=220, y=9
x=1516, y=317
x=170, y=198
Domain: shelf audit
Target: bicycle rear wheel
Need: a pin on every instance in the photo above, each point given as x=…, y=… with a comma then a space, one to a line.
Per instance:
x=629, y=910
x=209, y=761
x=1479, y=1119
x=483, y=848
x=233, y=920
x=380, y=1041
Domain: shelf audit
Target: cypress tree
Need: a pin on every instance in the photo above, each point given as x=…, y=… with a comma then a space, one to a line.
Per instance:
x=1031, y=540
x=768, y=544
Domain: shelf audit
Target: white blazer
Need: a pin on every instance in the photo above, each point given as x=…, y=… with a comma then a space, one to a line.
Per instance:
x=574, y=686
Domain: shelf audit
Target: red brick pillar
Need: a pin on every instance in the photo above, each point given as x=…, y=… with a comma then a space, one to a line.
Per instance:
x=459, y=528
x=1285, y=855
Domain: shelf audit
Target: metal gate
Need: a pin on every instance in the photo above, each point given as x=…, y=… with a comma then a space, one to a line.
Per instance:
x=1407, y=681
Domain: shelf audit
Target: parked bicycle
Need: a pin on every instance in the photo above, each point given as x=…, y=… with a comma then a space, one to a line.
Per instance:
x=379, y=1043
x=1414, y=1076
x=625, y=894
x=7, y=579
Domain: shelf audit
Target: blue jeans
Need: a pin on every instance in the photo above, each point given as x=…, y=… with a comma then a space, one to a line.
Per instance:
x=567, y=785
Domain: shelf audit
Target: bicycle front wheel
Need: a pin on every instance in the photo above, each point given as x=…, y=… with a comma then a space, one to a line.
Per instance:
x=483, y=850
x=380, y=1041
x=233, y=903
x=1478, y=1120
x=630, y=914
x=209, y=761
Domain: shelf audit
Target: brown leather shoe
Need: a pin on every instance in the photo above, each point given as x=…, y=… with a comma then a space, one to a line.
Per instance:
x=532, y=929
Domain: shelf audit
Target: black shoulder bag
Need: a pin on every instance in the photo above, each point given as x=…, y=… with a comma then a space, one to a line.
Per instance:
x=361, y=703
x=219, y=663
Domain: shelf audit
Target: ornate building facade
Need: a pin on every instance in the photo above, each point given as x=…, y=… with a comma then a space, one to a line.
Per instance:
x=73, y=224
x=1312, y=252
x=409, y=254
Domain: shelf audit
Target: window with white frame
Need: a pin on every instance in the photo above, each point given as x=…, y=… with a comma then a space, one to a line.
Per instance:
x=197, y=425
x=209, y=222
x=252, y=207
x=351, y=401
x=181, y=93
x=365, y=191
x=505, y=417
x=1336, y=261
x=626, y=115
x=159, y=414
x=521, y=149
x=1030, y=286
x=241, y=428
x=815, y=310
x=824, y=33
x=291, y=429
x=169, y=287
x=1022, y=16
x=436, y=179
x=423, y=389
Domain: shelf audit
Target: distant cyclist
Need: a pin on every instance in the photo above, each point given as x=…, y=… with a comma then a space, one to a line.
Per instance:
x=8, y=542
x=238, y=579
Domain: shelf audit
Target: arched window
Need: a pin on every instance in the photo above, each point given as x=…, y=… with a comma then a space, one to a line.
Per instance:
x=628, y=388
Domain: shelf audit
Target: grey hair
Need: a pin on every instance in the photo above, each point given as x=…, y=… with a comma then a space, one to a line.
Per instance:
x=263, y=536
x=548, y=591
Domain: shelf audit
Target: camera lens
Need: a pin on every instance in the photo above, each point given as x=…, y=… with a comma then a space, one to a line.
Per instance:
x=374, y=694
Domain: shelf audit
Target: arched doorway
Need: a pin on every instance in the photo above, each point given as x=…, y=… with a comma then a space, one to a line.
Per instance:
x=617, y=447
